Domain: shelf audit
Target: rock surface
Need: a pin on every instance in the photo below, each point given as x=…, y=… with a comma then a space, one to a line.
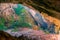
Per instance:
x=30, y=35
x=51, y=7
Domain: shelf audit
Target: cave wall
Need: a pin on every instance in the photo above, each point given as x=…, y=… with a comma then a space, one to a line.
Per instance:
x=51, y=7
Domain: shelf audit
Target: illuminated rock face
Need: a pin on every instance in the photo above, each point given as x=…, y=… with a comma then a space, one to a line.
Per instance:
x=17, y=20
x=14, y=16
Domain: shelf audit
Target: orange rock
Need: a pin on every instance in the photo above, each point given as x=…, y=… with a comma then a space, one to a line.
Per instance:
x=35, y=27
x=54, y=20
